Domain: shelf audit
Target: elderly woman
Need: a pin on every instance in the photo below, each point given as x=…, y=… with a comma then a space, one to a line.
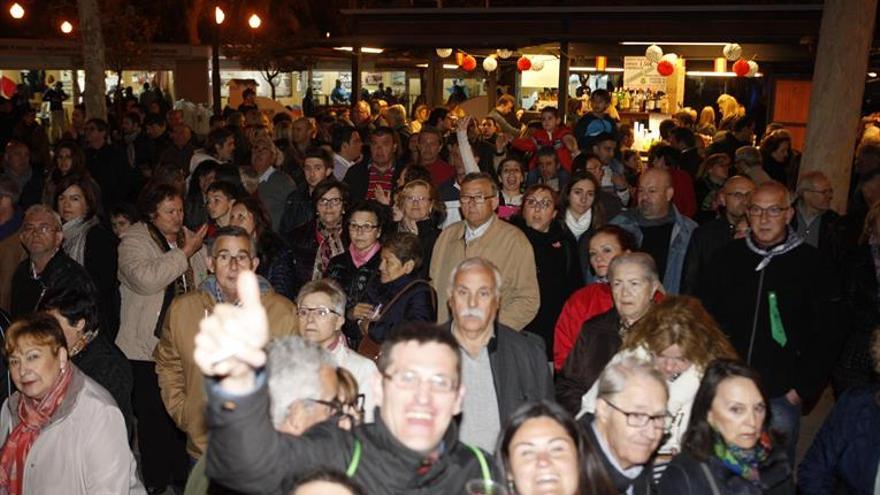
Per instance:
x=159, y=259
x=276, y=257
x=89, y=243
x=315, y=243
x=543, y=450
x=634, y=281
x=727, y=448
x=682, y=338
x=422, y=213
x=594, y=299
x=556, y=259
x=61, y=432
x=400, y=294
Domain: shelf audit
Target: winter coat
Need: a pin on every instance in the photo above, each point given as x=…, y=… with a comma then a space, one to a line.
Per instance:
x=684, y=476
x=597, y=343
x=416, y=304
x=11, y=254
x=855, y=366
x=60, y=271
x=586, y=303
x=84, y=448
x=144, y=273
x=705, y=240
x=298, y=210
x=103, y=362
x=101, y=261
x=277, y=266
x=354, y=281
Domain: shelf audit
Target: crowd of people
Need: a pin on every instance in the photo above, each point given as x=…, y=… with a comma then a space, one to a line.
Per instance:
x=362, y=302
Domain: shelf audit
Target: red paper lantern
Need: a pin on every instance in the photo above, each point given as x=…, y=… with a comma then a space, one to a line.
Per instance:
x=665, y=68
x=469, y=63
x=523, y=64
x=741, y=67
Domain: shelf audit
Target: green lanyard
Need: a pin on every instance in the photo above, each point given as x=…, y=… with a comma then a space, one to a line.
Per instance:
x=356, y=460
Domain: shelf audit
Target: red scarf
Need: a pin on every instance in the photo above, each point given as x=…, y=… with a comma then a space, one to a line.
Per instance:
x=360, y=258
x=33, y=415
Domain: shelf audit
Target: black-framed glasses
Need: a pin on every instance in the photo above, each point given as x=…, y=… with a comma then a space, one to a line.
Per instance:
x=362, y=227
x=640, y=420
x=476, y=199
x=327, y=202
x=771, y=211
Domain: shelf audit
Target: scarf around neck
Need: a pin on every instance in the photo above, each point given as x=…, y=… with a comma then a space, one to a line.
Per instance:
x=33, y=416
x=742, y=462
x=329, y=245
x=578, y=226
x=792, y=240
x=360, y=258
x=75, y=233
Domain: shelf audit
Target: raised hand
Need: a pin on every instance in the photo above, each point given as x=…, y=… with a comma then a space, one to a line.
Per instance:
x=230, y=341
x=192, y=241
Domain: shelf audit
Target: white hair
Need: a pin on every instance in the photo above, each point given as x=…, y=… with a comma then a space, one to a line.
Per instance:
x=620, y=371
x=473, y=263
x=326, y=286
x=294, y=366
x=41, y=208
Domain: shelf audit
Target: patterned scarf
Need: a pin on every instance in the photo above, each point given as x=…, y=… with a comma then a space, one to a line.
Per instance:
x=181, y=285
x=792, y=240
x=75, y=233
x=743, y=462
x=360, y=258
x=329, y=245
x=33, y=415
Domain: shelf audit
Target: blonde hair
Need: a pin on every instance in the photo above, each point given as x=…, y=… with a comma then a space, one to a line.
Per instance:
x=707, y=116
x=728, y=106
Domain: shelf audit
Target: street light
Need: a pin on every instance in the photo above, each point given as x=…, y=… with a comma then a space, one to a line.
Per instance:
x=254, y=21
x=66, y=27
x=16, y=11
x=219, y=15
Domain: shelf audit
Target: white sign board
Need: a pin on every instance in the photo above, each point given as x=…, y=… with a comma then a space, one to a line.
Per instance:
x=639, y=73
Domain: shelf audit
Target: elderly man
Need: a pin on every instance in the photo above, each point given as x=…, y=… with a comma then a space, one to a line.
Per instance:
x=629, y=423
x=17, y=166
x=412, y=447
x=814, y=220
x=776, y=299
x=659, y=228
x=181, y=151
x=501, y=368
x=634, y=284
x=321, y=315
x=47, y=265
x=232, y=251
x=747, y=161
x=729, y=225
x=482, y=234
x=274, y=186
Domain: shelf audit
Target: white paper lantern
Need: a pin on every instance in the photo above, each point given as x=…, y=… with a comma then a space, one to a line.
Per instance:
x=444, y=52
x=732, y=51
x=490, y=64
x=753, y=68
x=537, y=65
x=504, y=52
x=670, y=57
x=654, y=53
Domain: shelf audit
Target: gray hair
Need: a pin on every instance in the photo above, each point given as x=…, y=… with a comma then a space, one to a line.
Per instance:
x=325, y=286
x=470, y=264
x=808, y=181
x=619, y=372
x=231, y=231
x=748, y=154
x=643, y=260
x=40, y=208
x=294, y=366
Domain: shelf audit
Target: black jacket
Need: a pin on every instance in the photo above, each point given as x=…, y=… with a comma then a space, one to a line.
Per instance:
x=642, y=484
x=354, y=281
x=109, y=167
x=809, y=305
x=519, y=369
x=101, y=262
x=103, y=362
x=298, y=210
x=597, y=343
x=303, y=242
x=428, y=233
x=358, y=179
x=277, y=266
x=245, y=453
x=705, y=241
x=61, y=270
x=827, y=229
x=684, y=476
x=418, y=303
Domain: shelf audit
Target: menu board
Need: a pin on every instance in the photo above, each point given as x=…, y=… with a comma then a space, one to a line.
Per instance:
x=639, y=73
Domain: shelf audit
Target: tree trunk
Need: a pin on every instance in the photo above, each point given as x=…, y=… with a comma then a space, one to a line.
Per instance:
x=193, y=15
x=93, y=58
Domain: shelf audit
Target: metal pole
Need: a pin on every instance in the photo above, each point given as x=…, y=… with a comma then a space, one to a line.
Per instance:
x=215, y=70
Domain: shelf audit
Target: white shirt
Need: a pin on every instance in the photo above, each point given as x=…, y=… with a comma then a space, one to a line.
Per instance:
x=341, y=166
x=268, y=173
x=470, y=235
x=363, y=370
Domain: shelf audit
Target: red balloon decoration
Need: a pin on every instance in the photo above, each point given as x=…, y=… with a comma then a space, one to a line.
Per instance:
x=665, y=68
x=523, y=64
x=741, y=67
x=469, y=63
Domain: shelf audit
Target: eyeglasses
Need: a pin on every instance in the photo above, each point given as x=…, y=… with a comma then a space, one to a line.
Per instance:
x=361, y=227
x=410, y=380
x=476, y=199
x=320, y=312
x=42, y=229
x=226, y=258
x=415, y=199
x=326, y=202
x=539, y=204
x=640, y=420
x=771, y=211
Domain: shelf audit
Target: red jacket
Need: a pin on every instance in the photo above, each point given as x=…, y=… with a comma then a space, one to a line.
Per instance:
x=684, y=197
x=541, y=139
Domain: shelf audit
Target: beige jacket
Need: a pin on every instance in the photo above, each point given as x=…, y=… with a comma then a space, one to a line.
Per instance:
x=84, y=448
x=11, y=254
x=144, y=272
x=505, y=246
x=180, y=379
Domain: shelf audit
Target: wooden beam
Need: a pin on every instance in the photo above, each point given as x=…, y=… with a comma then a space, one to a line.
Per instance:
x=356, y=64
x=562, y=104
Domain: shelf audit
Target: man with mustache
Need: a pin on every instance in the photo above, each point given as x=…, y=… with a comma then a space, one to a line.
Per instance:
x=501, y=368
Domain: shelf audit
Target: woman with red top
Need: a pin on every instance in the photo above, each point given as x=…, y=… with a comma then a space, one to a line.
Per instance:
x=594, y=299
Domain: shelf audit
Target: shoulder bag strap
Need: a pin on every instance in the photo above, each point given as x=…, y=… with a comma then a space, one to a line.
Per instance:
x=355, y=459
x=710, y=479
x=484, y=465
x=403, y=291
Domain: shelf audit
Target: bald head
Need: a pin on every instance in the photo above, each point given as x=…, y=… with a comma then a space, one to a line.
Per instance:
x=735, y=197
x=655, y=193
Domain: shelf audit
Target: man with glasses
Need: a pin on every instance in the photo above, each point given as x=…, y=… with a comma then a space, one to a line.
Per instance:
x=730, y=224
x=776, y=299
x=629, y=423
x=46, y=265
x=814, y=220
x=232, y=252
x=482, y=234
x=412, y=447
x=321, y=314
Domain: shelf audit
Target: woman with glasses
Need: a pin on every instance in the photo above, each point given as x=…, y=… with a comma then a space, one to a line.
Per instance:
x=422, y=213
x=555, y=258
x=728, y=448
x=318, y=241
x=358, y=266
x=681, y=339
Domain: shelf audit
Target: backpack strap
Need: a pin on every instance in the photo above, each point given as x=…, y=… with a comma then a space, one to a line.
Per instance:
x=484, y=465
x=355, y=459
